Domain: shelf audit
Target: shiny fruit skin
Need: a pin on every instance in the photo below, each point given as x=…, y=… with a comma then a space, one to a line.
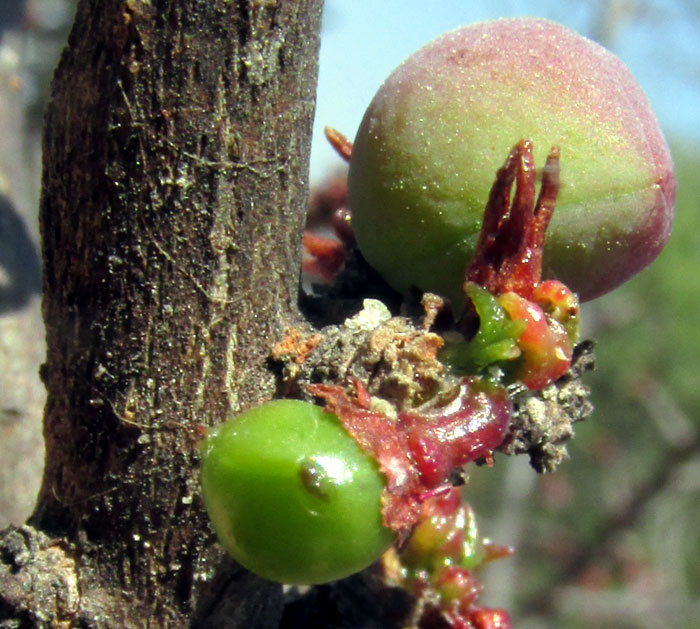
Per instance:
x=291, y=496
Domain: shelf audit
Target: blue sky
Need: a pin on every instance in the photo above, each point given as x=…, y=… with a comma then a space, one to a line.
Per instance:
x=364, y=40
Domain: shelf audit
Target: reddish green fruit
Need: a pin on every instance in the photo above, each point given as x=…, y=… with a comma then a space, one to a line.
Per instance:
x=291, y=495
x=440, y=126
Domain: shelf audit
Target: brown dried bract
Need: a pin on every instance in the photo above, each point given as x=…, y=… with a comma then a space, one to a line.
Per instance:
x=339, y=142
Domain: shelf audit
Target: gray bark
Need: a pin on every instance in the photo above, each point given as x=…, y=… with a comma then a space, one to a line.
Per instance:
x=173, y=198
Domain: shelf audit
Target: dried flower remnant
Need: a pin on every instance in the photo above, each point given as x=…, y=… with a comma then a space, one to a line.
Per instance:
x=508, y=254
x=503, y=283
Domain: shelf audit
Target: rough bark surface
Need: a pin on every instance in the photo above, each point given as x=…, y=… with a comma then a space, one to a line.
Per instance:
x=174, y=192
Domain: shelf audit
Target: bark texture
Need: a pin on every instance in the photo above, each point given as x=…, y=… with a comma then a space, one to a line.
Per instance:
x=174, y=193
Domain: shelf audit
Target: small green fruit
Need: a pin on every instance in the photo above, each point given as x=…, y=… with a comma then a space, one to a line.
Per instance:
x=291, y=495
x=429, y=145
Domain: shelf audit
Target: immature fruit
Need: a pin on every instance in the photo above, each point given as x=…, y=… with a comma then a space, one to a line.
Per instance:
x=291, y=495
x=432, y=139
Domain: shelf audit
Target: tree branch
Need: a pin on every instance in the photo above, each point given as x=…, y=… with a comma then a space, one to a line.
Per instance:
x=173, y=199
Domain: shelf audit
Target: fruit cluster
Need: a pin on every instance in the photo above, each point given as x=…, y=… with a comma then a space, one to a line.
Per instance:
x=304, y=494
